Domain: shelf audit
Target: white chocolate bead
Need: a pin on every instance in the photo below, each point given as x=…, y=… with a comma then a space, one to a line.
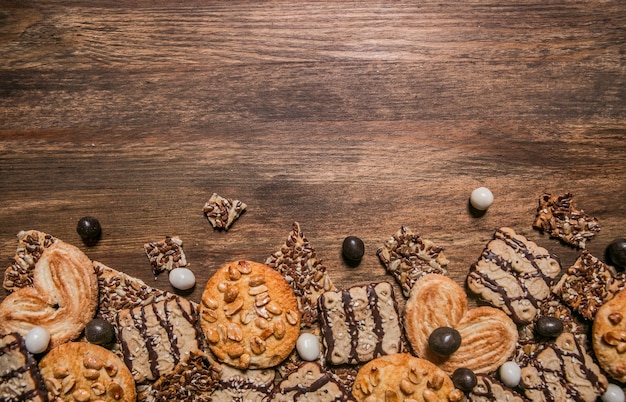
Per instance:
x=182, y=278
x=481, y=198
x=510, y=374
x=308, y=346
x=37, y=340
x=613, y=393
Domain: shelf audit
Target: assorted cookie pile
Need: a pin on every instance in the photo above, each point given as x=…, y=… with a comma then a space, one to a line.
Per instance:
x=73, y=329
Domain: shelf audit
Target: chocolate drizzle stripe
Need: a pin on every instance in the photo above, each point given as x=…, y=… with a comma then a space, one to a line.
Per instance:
x=302, y=389
x=123, y=343
x=326, y=329
x=372, y=298
x=353, y=330
x=166, y=322
x=10, y=346
x=148, y=341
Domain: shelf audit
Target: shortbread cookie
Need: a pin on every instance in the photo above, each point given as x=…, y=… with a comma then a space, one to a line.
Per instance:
x=154, y=338
x=62, y=299
x=488, y=389
x=222, y=212
x=310, y=383
x=609, y=336
x=559, y=217
x=360, y=323
x=402, y=377
x=561, y=370
x=588, y=284
x=118, y=291
x=488, y=336
x=249, y=315
x=166, y=254
x=80, y=371
x=514, y=274
x=408, y=257
x=297, y=262
x=192, y=380
x=244, y=385
x=30, y=246
x=19, y=374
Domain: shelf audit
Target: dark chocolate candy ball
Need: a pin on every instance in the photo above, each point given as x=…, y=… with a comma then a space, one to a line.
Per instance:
x=464, y=379
x=353, y=248
x=444, y=341
x=88, y=228
x=617, y=253
x=100, y=332
x=550, y=327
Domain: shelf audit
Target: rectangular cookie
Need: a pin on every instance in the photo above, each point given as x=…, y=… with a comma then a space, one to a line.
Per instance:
x=19, y=375
x=360, y=323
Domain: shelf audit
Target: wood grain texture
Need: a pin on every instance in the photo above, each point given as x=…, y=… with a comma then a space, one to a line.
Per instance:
x=352, y=119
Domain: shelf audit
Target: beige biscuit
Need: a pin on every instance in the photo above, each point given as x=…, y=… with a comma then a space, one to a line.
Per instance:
x=488, y=389
x=488, y=336
x=166, y=254
x=222, y=212
x=249, y=315
x=305, y=273
x=514, y=274
x=19, y=374
x=408, y=257
x=244, y=385
x=561, y=370
x=609, y=336
x=63, y=297
x=309, y=382
x=402, y=377
x=80, y=371
x=30, y=246
x=588, y=284
x=154, y=338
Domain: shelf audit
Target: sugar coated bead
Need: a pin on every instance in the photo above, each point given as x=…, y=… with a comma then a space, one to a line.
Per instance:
x=510, y=374
x=613, y=393
x=37, y=340
x=481, y=198
x=182, y=278
x=308, y=346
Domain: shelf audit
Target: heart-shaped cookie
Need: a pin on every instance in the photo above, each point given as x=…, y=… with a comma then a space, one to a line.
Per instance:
x=63, y=297
x=488, y=335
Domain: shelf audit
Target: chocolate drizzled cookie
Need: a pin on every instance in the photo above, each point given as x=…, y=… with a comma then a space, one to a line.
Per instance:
x=20, y=379
x=310, y=382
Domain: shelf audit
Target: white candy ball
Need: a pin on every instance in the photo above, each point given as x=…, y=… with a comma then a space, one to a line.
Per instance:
x=182, y=278
x=37, y=340
x=613, y=393
x=510, y=374
x=308, y=346
x=481, y=198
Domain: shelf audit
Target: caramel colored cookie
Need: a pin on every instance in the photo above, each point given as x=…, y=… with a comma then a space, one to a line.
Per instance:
x=402, y=377
x=249, y=315
x=80, y=371
x=514, y=274
x=19, y=375
x=609, y=336
x=62, y=299
x=488, y=336
x=310, y=383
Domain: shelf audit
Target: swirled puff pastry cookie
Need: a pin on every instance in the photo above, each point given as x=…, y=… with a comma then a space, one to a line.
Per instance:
x=63, y=297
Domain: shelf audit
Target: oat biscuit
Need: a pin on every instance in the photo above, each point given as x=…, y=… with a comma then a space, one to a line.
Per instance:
x=244, y=385
x=222, y=212
x=514, y=274
x=80, y=371
x=562, y=370
x=360, y=323
x=588, y=284
x=408, y=257
x=30, y=246
x=297, y=262
x=62, y=299
x=403, y=377
x=154, y=338
x=166, y=254
x=609, y=336
x=488, y=336
x=559, y=217
x=249, y=315
x=19, y=374
x=488, y=389
x=310, y=383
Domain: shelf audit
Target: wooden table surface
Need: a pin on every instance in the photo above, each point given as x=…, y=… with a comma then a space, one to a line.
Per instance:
x=350, y=118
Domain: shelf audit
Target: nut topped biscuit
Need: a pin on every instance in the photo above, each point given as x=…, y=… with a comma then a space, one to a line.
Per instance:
x=514, y=274
x=249, y=315
x=408, y=257
x=31, y=244
x=609, y=336
x=244, y=385
x=80, y=371
x=166, y=254
x=222, y=212
x=488, y=389
x=360, y=323
x=402, y=377
x=310, y=382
